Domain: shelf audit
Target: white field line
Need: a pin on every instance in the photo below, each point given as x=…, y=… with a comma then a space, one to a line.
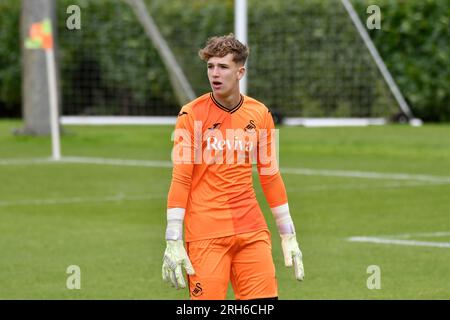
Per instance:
x=419, y=234
x=366, y=175
x=299, y=171
x=407, y=239
x=119, y=162
x=380, y=240
x=82, y=160
x=406, y=184
x=24, y=161
x=74, y=200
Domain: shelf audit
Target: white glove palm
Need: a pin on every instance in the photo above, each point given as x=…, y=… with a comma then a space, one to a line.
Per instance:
x=292, y=255
x=175, y=257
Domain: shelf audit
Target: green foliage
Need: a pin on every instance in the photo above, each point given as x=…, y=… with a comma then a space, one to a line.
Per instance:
x=414, y=42
x=110, y=64
x=187, y=27
x=10, y=65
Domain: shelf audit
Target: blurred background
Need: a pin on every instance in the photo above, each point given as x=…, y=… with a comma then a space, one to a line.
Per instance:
x=317, y=61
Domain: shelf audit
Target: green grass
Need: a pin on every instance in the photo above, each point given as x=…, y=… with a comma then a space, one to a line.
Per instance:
x=110, y=220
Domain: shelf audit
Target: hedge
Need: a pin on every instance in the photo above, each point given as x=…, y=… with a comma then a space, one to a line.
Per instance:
x=414, y=41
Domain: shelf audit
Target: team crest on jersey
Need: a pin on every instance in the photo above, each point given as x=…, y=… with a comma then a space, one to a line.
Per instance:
x=197, y=291
x=215, y=126
x=251, y=126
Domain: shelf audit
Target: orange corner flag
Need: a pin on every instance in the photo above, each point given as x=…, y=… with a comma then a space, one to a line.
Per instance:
x=40, y=36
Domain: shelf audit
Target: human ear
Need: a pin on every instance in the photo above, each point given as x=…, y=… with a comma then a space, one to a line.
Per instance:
x=241, y=72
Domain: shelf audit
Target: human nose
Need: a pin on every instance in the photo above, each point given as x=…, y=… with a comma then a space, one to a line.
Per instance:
x=215, y=72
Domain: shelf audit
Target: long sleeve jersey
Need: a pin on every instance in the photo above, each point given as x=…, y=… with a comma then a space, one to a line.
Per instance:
x=214, y=149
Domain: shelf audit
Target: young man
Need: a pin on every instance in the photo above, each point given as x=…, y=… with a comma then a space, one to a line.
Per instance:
x=217, y=137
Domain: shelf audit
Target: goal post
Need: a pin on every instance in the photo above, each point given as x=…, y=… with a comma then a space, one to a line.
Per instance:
x=180, y=84
x=309, y=62
x=241, y=32
x=378, y=60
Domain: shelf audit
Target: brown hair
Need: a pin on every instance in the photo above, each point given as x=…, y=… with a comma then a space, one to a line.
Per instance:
x=223, y=45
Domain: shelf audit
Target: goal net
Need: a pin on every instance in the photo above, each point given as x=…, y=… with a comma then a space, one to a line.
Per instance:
x=307, y=59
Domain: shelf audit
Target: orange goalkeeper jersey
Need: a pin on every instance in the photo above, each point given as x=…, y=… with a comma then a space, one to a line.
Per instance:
x=214, y=149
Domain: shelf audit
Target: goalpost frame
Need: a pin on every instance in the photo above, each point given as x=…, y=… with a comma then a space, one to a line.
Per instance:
x=377, y=58
x=241, y=32
x=180, y=84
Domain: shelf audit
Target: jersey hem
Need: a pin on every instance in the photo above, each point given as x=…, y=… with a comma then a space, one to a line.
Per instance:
x=223, y=235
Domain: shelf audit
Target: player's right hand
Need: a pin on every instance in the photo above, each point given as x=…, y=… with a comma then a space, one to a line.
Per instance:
x=175, y=257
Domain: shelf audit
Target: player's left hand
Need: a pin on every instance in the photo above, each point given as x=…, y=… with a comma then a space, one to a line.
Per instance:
x=292, y=255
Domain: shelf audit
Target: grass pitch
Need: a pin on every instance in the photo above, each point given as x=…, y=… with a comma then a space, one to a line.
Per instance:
x=390, y=184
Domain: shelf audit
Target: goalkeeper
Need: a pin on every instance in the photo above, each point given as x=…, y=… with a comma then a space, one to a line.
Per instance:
x=211, y=198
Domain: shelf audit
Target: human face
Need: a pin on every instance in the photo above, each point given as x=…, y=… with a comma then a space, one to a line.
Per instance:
x=224, y=75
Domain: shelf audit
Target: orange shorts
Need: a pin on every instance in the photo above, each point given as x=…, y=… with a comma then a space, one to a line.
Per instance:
x=245, y=259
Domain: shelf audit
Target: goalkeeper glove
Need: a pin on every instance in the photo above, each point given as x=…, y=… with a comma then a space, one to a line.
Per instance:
x=292, y=255
x=175, y=256
x=291, y=250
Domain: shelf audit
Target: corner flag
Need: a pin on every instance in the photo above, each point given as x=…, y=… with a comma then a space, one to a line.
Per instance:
x=41, y=37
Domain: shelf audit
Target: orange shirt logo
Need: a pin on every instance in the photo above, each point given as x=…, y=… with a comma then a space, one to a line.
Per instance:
x=235, y=147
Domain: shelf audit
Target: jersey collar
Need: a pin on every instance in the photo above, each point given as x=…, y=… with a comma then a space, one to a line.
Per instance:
x=234, y=109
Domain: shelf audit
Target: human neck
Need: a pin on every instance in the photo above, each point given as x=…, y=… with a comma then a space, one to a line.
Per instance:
x=229, y=101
